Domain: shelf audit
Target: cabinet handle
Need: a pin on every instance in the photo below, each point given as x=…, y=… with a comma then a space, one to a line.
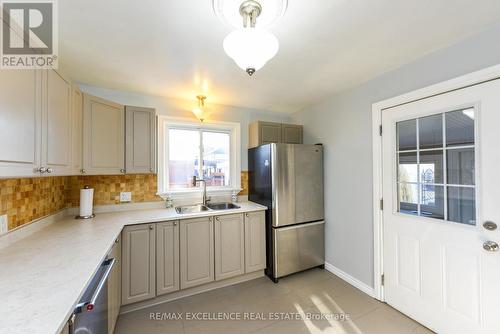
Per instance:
x=83, y=171
x=151, y=170
x=151, y=227
x=175, y=223
x=210, y=219
x=116, y=241
x=41, y=170
x=247, y=215
x=122, y=171
x=217, y=218
x=49, y=170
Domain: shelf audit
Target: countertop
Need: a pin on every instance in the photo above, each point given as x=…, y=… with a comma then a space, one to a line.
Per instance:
x=44, y=275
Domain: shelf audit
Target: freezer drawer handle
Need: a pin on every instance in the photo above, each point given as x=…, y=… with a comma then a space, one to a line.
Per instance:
x=89, y=306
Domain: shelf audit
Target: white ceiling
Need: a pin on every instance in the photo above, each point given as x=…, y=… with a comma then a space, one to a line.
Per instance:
x=174, y=48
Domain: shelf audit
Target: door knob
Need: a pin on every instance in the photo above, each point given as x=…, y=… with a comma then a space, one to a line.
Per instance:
x=490, y=226
x=41, y=170
x=491, y=246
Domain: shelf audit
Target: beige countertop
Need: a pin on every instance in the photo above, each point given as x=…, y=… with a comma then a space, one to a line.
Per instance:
x=43, y=275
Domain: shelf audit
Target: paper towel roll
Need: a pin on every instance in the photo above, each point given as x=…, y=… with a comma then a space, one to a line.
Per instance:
x=86, y=201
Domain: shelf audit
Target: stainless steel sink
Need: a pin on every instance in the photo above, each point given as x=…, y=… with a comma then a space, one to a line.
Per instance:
x=191, y=208
x=222, y=206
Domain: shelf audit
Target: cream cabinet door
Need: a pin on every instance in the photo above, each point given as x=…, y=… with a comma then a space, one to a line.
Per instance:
x=20, y=122
x=138, y=263
x=269, y=133
x=140, y=152
x=114, y=286
x=196, y=251
x=57, y=125
x=229, y=246
x=291, y=134
x=77, y=135
x=255, y=241
x=104, y=138
x=167, y=257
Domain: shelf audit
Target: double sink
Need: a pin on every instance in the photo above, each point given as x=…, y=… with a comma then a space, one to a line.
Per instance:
x=185, y=209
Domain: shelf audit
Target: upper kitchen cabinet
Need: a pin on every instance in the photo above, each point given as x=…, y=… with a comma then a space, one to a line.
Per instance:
x=291, y=133
x=36, y=121
x=104, y=137
x=57, y=124
x=20, y=122
x=261, y=133
x=140, y=137
x=77, y=135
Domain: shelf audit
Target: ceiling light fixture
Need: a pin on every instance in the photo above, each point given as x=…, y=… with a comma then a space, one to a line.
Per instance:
x=250, y=47
x=200, y=111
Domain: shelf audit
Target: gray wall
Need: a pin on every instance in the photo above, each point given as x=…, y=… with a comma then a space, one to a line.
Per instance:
x=343, y=124
x=182, y=108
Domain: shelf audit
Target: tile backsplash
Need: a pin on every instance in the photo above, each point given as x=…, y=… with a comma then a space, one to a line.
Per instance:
x=26, y=199
x=107, y=188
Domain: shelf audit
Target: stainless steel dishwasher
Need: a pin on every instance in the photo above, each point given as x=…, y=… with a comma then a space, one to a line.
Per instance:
x=91, y=313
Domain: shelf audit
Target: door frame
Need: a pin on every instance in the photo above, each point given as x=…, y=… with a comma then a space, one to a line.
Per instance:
x=464, y=81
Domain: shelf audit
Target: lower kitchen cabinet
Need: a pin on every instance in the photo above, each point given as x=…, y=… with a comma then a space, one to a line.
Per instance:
x=138, y=263
x=229, y=246
x=167, y=257
x=255, y=241
x=196, y=251
x=114, y=286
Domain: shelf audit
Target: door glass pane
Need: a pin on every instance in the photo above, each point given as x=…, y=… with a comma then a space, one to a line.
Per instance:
x=460, y=127
x=432, y=201
x=460, y=164
x=462, y=205
x=183, y=154
x=407, y=135
x=431, y=166
x=408, y=167
x=408, y=198
x=427, y=184
x=216, y=158
x=430, y=131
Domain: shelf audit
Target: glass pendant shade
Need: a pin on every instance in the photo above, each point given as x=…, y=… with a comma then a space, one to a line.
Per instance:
x=251, y=48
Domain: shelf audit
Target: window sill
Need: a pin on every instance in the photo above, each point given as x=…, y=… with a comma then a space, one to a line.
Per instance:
x=196, y=193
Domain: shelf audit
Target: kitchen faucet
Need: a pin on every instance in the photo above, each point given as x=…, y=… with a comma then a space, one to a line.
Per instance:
x=205, y=198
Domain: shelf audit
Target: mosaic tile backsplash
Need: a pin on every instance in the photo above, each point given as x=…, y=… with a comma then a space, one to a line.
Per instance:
x=24, y=200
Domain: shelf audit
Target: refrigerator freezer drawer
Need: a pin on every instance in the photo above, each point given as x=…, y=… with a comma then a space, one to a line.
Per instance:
x=298, y=248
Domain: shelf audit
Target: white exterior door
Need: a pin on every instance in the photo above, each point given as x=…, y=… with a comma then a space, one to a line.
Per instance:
x=441, y=183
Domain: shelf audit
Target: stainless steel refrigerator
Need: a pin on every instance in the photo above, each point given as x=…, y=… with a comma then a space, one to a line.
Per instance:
x=288, y=179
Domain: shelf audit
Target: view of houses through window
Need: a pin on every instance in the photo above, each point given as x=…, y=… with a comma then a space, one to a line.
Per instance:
x=202, y=153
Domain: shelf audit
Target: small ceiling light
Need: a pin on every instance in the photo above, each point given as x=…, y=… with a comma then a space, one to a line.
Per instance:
x=250, y=47
x=200, y=111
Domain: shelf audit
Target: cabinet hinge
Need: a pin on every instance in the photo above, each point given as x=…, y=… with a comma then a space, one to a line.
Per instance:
x=381, y=204
x=382, y=279
x=380, y=130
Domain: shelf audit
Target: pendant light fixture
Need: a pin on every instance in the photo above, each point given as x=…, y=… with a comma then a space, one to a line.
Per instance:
x=200, y=111
x=251, y=47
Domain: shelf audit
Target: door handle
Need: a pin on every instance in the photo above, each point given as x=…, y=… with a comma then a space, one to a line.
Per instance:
x=490, y=226
x=491, y=246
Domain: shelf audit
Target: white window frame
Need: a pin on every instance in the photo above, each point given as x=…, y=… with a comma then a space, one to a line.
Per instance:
x=234, y=130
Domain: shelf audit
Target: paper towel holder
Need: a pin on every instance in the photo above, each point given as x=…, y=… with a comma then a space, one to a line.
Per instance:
x=88, y=216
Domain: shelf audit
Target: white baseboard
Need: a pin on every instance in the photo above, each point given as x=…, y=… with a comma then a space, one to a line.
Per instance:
x=351, y=280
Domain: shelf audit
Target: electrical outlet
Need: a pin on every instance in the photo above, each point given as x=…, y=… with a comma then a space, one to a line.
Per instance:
x=126, y=197
x=4, y=224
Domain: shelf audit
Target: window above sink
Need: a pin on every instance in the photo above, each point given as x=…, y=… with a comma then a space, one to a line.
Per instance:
x=209, y=151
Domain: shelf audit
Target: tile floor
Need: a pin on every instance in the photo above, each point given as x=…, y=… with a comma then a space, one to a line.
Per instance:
x=313, y=292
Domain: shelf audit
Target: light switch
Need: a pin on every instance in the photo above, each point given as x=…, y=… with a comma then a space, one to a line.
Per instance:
x=126, y=197
x=4, y=227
